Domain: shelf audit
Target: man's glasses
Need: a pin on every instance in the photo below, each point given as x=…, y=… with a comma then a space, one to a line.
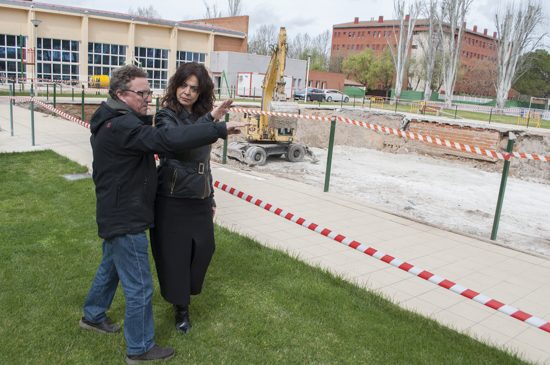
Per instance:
x=143, y=93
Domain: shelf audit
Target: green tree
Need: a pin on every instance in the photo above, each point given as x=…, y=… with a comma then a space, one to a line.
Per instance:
x=359, y=66
x=536, y=79
x=382, y=74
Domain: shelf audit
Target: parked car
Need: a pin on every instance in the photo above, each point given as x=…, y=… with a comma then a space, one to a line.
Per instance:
x=335, y=95
x=313, y=94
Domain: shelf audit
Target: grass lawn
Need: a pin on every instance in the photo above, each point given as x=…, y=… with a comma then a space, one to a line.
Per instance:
x=258, y=306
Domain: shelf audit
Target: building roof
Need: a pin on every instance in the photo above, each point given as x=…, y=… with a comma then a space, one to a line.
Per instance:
x=376, y=23
x=394, y=23
x=121, y=16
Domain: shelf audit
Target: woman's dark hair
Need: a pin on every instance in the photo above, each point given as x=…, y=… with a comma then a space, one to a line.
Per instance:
x=204, y=103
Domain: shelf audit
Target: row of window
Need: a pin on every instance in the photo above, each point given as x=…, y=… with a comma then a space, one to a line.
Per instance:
x=10, y=65
x=478, y=56
x=59, y=59
x=368, y=33
x=477, y=42
x=376, y=47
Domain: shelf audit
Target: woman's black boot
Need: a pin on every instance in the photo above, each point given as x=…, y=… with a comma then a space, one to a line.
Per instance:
x=183, y=324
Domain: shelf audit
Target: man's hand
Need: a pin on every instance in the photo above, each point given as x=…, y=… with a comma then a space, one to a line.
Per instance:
x=235, y=127
x=219, y=111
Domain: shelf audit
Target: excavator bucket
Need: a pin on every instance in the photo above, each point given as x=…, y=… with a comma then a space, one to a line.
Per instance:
x=237, y=151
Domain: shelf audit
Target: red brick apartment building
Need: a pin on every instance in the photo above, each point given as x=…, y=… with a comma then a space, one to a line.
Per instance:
x=356, y=36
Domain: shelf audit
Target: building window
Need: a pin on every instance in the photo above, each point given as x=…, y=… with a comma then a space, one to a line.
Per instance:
x=104, y=57
x=154, y=61
x=185, y=56
x=57, y=59
x=10, y=56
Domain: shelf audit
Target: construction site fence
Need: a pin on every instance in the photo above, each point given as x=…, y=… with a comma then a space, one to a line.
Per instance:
x=537, y=322
x=506, y=156
x=527, y=117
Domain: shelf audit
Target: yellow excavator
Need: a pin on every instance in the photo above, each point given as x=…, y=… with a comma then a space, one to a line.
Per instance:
x=271, y=136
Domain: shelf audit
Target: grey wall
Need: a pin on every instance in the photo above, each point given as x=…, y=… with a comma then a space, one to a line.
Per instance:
x=234, y=62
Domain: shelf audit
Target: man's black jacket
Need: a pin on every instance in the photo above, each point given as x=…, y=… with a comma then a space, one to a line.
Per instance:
x=124, y=171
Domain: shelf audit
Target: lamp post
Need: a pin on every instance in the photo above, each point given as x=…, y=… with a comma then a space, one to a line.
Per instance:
x=307, y=77
x=36, y=23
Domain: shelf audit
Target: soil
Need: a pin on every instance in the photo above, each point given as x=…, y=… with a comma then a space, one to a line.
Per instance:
x=411, y=179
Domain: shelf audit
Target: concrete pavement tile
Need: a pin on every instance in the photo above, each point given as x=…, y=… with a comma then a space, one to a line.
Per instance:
x=535, y=337
x=490, y=337
x=393, y=295
x=359, y=268
x=507, y=292
x=506, y=325
x=471, y=310
x=527, y=352
x=452, y=320
x=479, y=282
x=420, y=306
x=414, y=286
x=382, y=278
x=539, y=309
x=441, y=297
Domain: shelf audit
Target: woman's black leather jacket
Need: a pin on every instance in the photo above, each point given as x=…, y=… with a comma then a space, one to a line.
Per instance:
x=186, y=174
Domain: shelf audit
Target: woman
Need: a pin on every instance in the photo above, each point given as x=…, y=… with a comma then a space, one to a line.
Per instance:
x=183, y=238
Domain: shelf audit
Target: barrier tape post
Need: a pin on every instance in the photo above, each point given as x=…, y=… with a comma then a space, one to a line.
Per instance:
x=12, y=101
x=329, y=153
x=456, y=110
x=224, y=155
x=504, y=179
x=82, y=105
x=490, y=115
x=32, y=117
x=47, y=92
x=72, y=93
x=54, y=95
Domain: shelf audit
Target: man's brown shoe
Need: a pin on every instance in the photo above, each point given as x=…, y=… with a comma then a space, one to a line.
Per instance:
x=155, y=353
x=107, y=326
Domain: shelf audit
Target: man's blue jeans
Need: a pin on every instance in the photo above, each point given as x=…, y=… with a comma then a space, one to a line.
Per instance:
x=125, y=258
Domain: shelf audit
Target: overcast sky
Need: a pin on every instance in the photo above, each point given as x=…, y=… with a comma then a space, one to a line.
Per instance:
x=298, y=16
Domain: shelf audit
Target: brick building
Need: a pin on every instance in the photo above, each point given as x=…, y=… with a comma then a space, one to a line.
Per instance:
x=354, y=37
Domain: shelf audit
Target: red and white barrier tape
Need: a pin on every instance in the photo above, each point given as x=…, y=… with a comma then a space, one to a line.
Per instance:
x=391, y=260
x=374, y=127
x=409, y=135
x=61, y=113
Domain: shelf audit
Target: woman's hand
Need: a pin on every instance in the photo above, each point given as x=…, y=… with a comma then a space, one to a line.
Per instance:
x=219, y=111
x=235, y=127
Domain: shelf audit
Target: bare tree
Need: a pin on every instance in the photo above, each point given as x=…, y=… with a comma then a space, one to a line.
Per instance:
x=516, y=36
x=451, y=26
x=260, y=42
x=146, y=12
x=400, y=54
x=429, y=45
x=234, y=7
x=211, y=10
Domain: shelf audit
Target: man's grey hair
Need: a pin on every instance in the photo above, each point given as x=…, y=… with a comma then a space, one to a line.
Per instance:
x=122, y=76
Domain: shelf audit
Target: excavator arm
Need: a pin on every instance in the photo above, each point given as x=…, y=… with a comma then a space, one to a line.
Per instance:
x=274, y=82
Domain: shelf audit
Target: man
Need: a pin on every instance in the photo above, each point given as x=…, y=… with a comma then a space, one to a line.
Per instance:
x=123, y=142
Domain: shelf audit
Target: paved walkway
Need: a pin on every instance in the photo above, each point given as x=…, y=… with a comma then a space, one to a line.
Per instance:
x=514, y=278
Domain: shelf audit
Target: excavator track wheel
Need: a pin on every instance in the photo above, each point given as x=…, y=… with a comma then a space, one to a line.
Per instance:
x=256, y=156
x=296, y=152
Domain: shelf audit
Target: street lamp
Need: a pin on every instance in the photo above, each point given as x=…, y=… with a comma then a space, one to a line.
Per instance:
x=307, y=76
x=36, y=23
